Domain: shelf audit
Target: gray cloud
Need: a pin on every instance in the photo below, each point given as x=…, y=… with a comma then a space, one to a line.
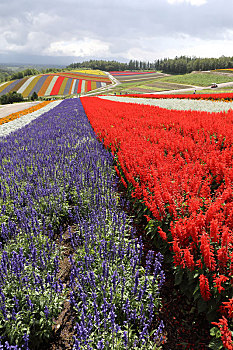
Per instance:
x=111, y=29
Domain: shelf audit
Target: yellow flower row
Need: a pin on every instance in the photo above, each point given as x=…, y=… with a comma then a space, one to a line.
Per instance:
x=89, y=71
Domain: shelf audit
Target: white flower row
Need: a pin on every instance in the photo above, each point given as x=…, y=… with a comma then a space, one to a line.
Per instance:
x=175, y=103
x=7, y=128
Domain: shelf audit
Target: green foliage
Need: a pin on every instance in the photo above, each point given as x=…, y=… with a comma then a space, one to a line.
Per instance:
x=100, y=64
x=24, y=73
x=13, y=73
x=11, y=97
x=185, y=64
x=216, y=343
x=34, y=96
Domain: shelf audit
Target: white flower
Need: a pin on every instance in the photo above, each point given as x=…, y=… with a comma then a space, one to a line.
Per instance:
x=176, y=103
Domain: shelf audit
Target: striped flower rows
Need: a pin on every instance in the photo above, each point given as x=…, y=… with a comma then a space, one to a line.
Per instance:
x=213, y=97
x=53, y=173
x=121, y=73
x=64, y=83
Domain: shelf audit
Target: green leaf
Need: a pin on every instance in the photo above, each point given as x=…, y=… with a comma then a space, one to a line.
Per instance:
x=201, y=305
x=197, y=296
x=215, y=332
x=178, y=277
x=216, y=345
x=211, y=315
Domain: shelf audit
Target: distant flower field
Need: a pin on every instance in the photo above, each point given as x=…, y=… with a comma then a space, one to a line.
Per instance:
x=127, y=76
x=212, y=97
x=117, y=73
x=62, y=83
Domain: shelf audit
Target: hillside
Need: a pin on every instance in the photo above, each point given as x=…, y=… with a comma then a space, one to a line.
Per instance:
x=150, y=82
x=57, y=84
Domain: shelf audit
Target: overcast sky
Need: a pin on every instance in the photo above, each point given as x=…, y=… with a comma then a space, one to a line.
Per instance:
x=66, y=31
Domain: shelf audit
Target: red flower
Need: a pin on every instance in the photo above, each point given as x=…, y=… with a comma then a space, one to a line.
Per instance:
x=162, y=234
x=214, y=231
x=188, y=257
x=218, y=280
x=204, y=288
x=225, y=333
x=207, y=252
x=147, y=218
x=222, y=256
x=229, y=306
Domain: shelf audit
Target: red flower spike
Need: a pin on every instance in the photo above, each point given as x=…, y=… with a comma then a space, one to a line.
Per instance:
x=225, y=333
x=204, y=288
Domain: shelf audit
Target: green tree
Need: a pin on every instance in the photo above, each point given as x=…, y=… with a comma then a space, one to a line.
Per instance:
x=3, y=99
x=11, y=97
x=34, y=96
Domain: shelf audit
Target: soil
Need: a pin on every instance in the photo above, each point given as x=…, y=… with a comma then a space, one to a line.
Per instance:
x=63, y=328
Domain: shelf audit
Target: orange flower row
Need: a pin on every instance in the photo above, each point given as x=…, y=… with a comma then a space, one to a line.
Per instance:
x=16, y=115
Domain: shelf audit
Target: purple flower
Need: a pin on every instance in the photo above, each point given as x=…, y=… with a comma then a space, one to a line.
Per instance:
x=125, y=339
x=46, y=312
x=100, y=344
x=26, y=339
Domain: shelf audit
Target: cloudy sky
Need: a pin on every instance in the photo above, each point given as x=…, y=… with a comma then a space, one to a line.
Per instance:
x=66, y=31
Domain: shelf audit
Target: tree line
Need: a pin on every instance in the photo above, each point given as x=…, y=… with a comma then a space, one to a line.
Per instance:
x=112, y=65
x=99, y=64
x=185, y=64
x=177, y=65
x=14, y=96
x=7, y=75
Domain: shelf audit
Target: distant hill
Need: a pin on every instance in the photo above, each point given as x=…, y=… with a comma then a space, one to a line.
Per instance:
x=57, y=84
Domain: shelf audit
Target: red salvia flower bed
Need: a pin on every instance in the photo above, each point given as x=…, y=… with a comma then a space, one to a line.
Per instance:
x=214, y=97
x=179, y=164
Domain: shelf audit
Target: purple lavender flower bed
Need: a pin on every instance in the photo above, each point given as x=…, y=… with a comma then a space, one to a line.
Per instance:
x=53, y=172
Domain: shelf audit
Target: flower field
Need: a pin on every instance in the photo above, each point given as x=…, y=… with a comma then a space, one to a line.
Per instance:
x=66, y=240
x=178, y=104
x=120, y=73
x=213, y=97
x=127, y=76
x=178, y=166
x=52, y=84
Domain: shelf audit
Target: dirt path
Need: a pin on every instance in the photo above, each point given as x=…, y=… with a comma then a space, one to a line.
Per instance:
x=8, y=109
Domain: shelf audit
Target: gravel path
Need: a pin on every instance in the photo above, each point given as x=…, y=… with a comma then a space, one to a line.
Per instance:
x=8, y=109
x=7, y=128
x=175, y=103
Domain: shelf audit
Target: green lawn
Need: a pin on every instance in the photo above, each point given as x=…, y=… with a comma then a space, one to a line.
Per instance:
x=198, y=79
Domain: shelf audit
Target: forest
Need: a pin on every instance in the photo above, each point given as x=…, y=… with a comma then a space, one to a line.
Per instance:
x=177, y=65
